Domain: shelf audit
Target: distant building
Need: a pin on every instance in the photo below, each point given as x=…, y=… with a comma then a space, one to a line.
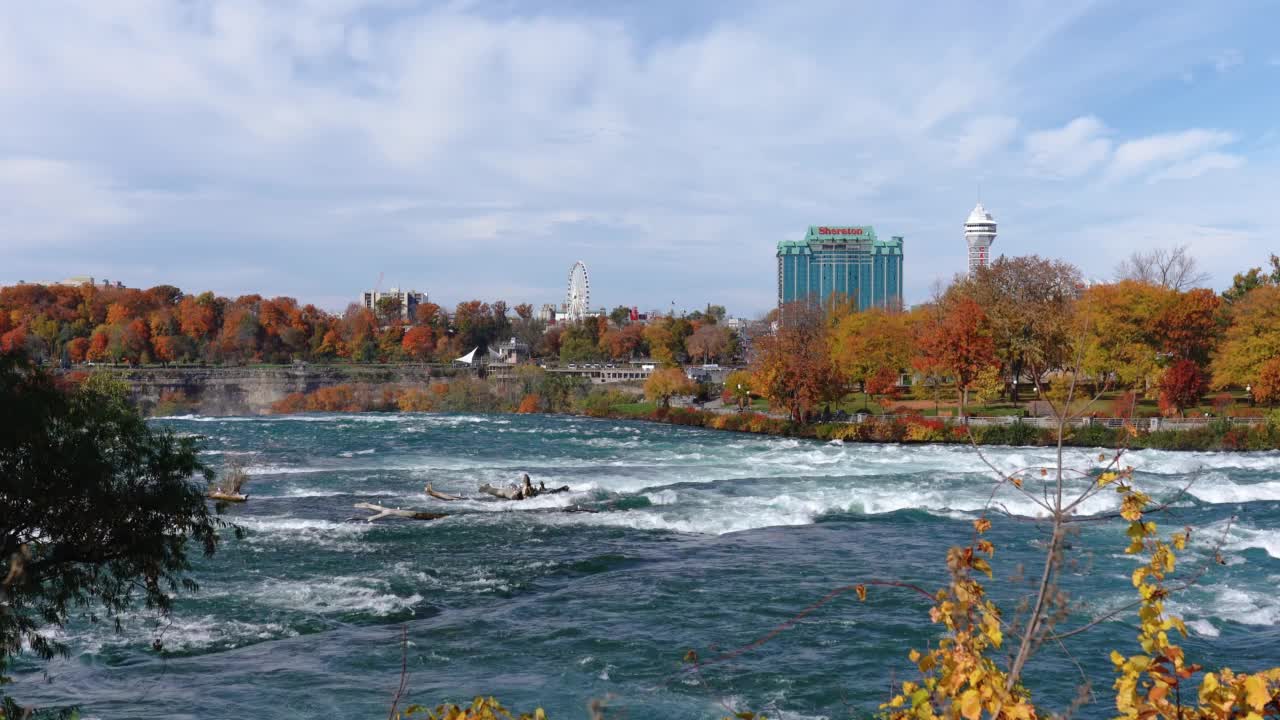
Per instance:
x=74, y=280
x=512, y=352
x=847, y=262
x=409, y=300
x=979, y=234
x=547, y=314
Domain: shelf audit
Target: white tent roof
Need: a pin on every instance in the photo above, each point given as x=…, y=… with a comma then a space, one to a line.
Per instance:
x=470, y=357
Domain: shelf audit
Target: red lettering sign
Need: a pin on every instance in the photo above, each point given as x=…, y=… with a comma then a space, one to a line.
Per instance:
x=839, y=231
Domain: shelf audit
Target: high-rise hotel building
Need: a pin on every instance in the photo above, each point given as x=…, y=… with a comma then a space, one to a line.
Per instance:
x=841, y=261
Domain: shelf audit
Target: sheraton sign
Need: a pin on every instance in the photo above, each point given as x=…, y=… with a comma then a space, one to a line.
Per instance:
x=839, y=231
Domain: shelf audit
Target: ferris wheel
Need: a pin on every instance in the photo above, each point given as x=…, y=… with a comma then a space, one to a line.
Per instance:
x=577, y=300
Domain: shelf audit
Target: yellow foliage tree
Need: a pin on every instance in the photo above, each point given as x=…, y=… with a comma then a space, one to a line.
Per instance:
x=1251, y=340
x=1119, y=331
x=663, y=384
x=865, y=343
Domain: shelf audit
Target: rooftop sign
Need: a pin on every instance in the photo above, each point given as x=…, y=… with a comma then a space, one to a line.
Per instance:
x=839, y=231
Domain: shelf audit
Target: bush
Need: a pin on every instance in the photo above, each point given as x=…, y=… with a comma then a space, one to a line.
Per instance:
x=530, y=403
x=416, y=399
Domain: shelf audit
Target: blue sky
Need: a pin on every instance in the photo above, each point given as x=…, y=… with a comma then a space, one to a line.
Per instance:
x=475, y=150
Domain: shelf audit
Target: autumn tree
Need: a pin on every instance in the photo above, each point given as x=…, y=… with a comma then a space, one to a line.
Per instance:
x=197, y=316
x=1188, y=326
x=866, y=343
x=1029, y=304
x=1170, y=268
x=1182, y=386
x=665, y=383
x=793, y=366
x=1267, y=388
x=665, y=337
x=1250, y=340
x=1122, y=343
x=419, y=342
x=624, y=343
x=955, y=337
x=709, y=341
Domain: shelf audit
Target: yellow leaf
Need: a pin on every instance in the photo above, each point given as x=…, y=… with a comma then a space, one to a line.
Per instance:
x=982, y=525
x=1116, y=658
x=862, y=592
x=971, y=705
x=1255, y=689
x=914, y=656
x=1017, y=482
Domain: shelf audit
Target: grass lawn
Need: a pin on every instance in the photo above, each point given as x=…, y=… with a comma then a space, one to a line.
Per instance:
x=635, y=409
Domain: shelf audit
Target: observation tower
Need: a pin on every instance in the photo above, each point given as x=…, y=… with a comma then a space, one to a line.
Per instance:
x=979, y=233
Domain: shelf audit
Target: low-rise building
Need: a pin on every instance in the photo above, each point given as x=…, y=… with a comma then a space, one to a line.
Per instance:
x=512, y=352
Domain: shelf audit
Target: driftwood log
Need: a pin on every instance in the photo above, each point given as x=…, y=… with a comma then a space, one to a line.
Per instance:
x=432, y=492
x=397, y=512
x=226, y=496
x=516, y=493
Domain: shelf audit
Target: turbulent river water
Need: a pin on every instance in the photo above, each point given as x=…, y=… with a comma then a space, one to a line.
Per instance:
x=699, y=539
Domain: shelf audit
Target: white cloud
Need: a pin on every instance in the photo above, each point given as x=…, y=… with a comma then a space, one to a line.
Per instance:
x=1172, y=155
x=48, y=201
x=1199, y=165
x=1070, y=151
x=983, y=136
x=273, y=129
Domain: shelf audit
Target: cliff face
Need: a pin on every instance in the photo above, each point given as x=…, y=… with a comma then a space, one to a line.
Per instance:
x=251, y=391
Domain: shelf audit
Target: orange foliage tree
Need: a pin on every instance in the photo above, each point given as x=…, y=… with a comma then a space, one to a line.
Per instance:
x=793, y=366
x=954, y=337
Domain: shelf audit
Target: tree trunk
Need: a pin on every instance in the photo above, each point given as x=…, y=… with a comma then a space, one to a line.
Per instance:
x=397, y=512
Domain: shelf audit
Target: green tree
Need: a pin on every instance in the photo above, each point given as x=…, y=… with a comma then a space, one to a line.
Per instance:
x=98, y=511
x=1242, y=283
x=620, y=315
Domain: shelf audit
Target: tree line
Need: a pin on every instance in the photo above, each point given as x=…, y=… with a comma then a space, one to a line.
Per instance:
x=1030, y=322
x=89, y=323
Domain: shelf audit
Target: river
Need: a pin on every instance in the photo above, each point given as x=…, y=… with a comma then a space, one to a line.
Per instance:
x=699, y=540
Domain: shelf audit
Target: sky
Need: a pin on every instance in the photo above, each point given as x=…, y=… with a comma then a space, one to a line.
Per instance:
x=477, y=149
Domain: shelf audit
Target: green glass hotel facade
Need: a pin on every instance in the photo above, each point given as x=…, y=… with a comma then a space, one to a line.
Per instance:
x=841, y=261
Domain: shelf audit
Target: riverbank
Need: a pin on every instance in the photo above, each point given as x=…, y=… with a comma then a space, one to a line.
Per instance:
x=405, y=388
x=468, y=395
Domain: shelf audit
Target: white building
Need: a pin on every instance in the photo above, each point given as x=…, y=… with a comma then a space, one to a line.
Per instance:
x=409, y=300
x=979, y=233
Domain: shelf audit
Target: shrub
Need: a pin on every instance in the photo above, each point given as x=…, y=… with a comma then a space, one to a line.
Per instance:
x=530, y=403
x=416, y=399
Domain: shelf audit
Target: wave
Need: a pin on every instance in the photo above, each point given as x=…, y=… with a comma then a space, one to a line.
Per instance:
x=1231, y=604
x=334, y=595
x=1219, y=490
